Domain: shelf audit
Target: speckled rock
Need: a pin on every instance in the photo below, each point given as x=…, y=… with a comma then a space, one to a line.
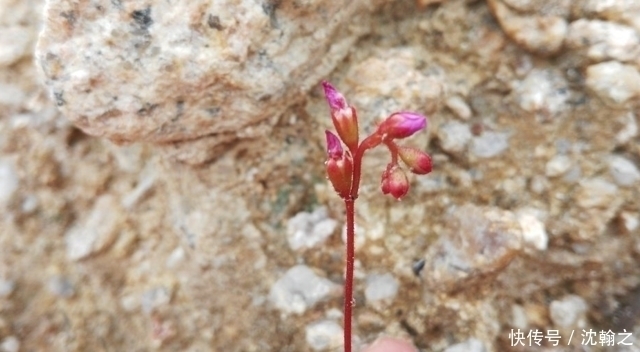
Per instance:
x=614, y=82
x=537, y=32
x=543, y=91
x=299, y=289
x=478, y=243
x=471, y=345
x=454, y=136
x=603, y=40
x=324, y=335
x=624, y=172
x=96, y=232
x=306, y=230
x=568, y=312
x=489, y=144
x=223, y=71
x=8, y=181
x=381, y=287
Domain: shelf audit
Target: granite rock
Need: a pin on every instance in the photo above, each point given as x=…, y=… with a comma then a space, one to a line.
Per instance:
x=477, y=243
x=224, y=71
x=536, y=32
x=614, y=82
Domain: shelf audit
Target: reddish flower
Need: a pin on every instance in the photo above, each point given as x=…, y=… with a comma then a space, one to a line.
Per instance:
x=394, y=182
x=402, y=124
x=418, y=161
x=343, y=116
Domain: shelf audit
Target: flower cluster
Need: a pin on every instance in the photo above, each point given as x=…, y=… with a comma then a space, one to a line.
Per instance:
x=343, y=167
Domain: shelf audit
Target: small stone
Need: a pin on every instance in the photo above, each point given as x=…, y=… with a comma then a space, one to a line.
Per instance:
x=11, y=95
x=8, y=181
x=604, y=40
x=10, y=344
x=300, y=288
x=6, y=287
x=519, y=317
x=541, y=34
x=471, y=345
x=614, y=82
x=454, y=136
x=489, y=144
x=176, y=257
x=459, y=107
x=61, y=287
x=307, y=230
x=543, y=91
x=15, y=43
x=476, y=244
x=568, y=312
x=142, y=189
x=324, y=335
x=630, y=221
x=533, y=231
x=558, y=165
x=623, y=170
x=96, y=232
x=629, y=131
x=29, y=204
x=155, y=298
x=595, y=193
x=381, y=287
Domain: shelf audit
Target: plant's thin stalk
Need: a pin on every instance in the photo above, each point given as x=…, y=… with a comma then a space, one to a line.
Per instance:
x=348, y=283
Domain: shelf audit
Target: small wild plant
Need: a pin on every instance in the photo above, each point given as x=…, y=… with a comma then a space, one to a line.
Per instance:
x=344, y=168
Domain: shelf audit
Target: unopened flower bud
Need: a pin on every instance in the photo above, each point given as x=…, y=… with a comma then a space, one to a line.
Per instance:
x=334, y=148
x=394, y=182
x=339, y=173
x=418, y=161
x=343, y=116
x=402, y=124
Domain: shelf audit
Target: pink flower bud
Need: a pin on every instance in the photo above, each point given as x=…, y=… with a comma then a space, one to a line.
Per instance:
x=402, y=124
x=418, y=161
x=339, y=172
x=343, y=116
x=394, y=182
x=334, y=148
x=334, y=98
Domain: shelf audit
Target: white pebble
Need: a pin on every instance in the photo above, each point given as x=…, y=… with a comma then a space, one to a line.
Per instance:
x=324, y=335
x=154, y=298
x=8, y=181
x=542, y=90
x=454, y=136
x=489, y=144
x=624, y=172
x=142, y=189
x=14, y=43
x=307, y=230
x=613, y=81
x=96, y=232
x=533, y=231
x=6, y=287
x=471, y=345
x=381, y=287
x=568, y=312
x=630, y=221
x=10, y=344
x=61, y=287
x=596, y=193
x=629, y=131
x=459, y=107
x=299, y=289
x=558, y=165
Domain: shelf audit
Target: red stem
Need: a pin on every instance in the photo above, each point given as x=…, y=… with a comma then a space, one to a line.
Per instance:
x=348, y=284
